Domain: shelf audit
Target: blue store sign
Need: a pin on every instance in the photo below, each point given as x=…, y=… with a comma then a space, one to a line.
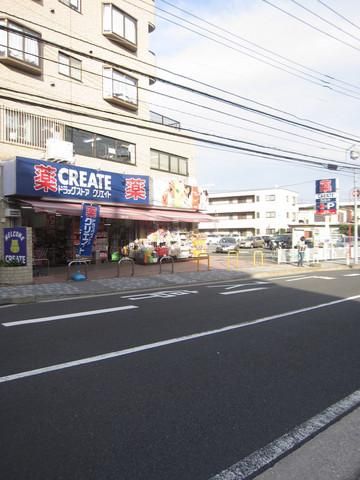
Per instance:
x=37, y=178
x=15, y=245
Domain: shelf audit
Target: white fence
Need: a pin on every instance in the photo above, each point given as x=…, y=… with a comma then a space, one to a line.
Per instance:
x=314, y=255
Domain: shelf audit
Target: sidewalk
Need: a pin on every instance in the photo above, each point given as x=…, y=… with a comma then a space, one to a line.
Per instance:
x=103, y=278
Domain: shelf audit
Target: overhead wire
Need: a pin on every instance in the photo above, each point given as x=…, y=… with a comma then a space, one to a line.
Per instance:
x=276, y=54
x=174, y=84
x=268, y=155
x=200, y=106
x=338, y=14
x=310, y=25
x=324, y=20
x=192, y=131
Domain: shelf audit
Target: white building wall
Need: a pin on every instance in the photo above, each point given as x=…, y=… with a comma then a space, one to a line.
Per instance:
x=252, y=211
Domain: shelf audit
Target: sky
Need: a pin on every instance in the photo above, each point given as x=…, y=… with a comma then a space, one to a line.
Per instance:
x=298, y=73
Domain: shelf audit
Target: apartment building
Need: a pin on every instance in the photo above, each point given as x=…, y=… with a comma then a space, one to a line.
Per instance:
x=76, y=126
x=251, y=212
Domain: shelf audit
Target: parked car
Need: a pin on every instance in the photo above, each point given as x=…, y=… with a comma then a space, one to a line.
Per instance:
x=267, y=240
x=226, y=244
x=247, y=242
x=281, y=241
x=212, y=239
x=258, y=242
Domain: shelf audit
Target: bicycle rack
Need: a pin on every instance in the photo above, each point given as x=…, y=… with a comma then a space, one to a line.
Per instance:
x=126, y=260
x=78, y=262
x=166, y=258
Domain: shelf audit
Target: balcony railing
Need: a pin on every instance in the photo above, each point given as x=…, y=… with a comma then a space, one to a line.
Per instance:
x=23, y=128
x=168, y=122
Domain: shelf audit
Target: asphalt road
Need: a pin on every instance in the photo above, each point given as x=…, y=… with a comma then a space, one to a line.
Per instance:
x=177, y=385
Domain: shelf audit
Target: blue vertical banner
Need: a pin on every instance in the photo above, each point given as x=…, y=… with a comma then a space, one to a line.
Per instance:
x=89, y=223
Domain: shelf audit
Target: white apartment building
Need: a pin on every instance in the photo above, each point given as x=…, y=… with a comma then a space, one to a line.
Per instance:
x=75, y=125
x=251, y=212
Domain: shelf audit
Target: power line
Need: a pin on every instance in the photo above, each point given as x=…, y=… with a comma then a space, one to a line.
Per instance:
x=311, y=26
x=339, y=14
x=192, y=131
x=325, y=20
x=268, y=155
x=192, y=104
x=189, y=89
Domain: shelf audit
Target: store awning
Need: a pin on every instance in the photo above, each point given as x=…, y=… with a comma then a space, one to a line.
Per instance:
x=121, y=212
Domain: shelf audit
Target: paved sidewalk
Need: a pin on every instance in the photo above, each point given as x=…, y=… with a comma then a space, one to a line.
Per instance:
x=148, y=278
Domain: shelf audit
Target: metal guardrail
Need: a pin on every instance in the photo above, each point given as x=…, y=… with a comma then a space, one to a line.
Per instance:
x=126, y=260
x=230, y=255
x=78, y=262
x=202, y=256
x=166, y=258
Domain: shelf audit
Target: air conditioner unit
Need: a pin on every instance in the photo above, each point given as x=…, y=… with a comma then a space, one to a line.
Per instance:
x=59, y=151
x=12, y=212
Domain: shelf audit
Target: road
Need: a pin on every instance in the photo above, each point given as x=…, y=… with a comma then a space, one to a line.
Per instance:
x=174, y=384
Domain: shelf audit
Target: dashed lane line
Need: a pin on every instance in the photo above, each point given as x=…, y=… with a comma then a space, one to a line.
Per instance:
x=171, y=341
x=245, y=290
x=68, y=315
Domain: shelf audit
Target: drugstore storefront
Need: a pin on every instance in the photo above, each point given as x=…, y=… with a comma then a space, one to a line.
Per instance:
x=51, y=197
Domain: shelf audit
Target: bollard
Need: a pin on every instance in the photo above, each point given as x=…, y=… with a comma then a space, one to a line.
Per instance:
x=202, y=256
x=231, y=253
x=258, y=253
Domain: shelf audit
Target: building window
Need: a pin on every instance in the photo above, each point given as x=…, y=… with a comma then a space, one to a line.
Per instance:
x=99, y=146
x=69, y=66
x=119, y=26
x=168, y=162
x=74, y=4
x=120, y=88
x=270, y=198
x=257, y=214
x=257, y=198
x=20, y=46
x=270, y=214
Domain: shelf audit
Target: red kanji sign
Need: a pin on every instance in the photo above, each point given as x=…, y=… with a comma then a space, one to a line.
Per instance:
x=45, y=178
x=135, y=189
x=91, y=212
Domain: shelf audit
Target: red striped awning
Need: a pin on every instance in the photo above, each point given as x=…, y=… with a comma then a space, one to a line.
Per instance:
x=121, y=212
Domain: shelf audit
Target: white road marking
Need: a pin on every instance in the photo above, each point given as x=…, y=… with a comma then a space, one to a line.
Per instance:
x=243, y=291
x=352, y=275
x=229, y=287
x=68, y=315
x=311, y=276
x=162, y=343
x=163, y=294
x=263, y=458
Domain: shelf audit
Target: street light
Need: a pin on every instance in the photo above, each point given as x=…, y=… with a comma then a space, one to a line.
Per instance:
x=354, y=155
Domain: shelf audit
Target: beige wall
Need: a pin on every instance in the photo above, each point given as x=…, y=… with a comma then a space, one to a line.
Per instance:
x=71, y=28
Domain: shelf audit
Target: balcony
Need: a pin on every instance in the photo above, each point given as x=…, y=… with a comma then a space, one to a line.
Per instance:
x=21, y=128
x=162, y=120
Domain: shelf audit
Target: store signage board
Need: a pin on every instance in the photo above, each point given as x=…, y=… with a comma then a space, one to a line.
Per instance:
x=28, y=177
x=326, y=196
x=15, y=245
